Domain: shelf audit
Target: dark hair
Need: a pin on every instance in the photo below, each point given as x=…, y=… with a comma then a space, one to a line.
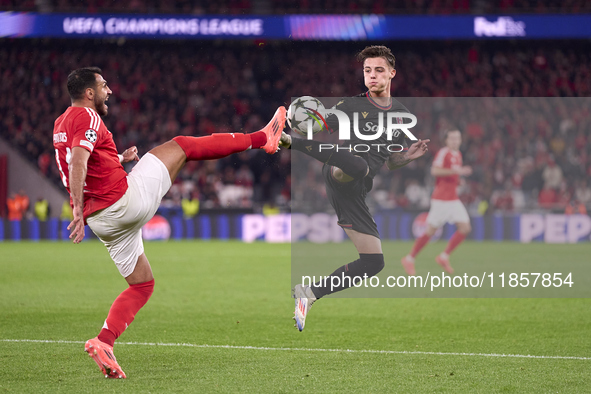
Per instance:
x=377, y=51
x=81, y=79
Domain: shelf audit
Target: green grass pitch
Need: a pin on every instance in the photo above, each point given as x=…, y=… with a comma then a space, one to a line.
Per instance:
x=235, y=294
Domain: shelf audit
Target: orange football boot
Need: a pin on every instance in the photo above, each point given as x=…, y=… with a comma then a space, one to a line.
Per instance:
x=103, y=356
x=273, y=130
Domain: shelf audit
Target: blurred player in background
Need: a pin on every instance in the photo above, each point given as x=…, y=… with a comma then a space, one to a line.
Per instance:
x=115, y=204
x=349, y=177
x=446, y=207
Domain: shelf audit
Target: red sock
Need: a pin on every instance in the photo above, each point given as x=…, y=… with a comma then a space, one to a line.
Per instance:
x=220, y=145
x=454, y=241
x=123, y=310
x=419, y=244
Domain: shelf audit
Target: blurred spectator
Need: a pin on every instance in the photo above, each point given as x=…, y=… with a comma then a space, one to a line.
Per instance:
x=23, y=200
x=503, y=200
x=270, y=209
x=41, y=209
x=483, y=206
x=190, y=206
x=552, y=175
x=14, y=209
x=583, y=192
x=575, y=208
x=18, y=204
x=417, y=194
x=67, y=213
x=548, y=197
x=532, y=181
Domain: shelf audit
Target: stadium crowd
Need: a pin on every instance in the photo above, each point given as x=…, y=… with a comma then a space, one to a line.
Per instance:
x=428, y=6
x=198, y=88
x=237, y=7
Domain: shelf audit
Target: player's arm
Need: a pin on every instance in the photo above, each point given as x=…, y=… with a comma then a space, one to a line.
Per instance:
x=400, y=159
x=440, y=171
x=77, y=177
x=331, y=119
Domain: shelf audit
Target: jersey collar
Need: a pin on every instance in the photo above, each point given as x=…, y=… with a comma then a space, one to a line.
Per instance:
x=371, y=100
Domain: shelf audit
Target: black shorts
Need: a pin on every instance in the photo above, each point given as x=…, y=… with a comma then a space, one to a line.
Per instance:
x=348, y=201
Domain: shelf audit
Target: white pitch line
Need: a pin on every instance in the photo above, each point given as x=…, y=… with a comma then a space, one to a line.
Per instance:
x=310, y=350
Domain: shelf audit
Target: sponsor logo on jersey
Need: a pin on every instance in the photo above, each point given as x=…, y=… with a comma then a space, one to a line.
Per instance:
x=390, y=123
x=91, y=135
x=60, y=137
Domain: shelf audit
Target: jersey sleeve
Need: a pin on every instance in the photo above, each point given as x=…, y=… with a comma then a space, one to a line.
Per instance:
x=405, y=142
x=85, y=130
x=331, y=119
x=441, y=159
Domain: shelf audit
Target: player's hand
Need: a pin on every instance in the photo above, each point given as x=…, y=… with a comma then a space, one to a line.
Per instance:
x=77, y=226
x=465, y=171
x=417, y=149
x=130, y=155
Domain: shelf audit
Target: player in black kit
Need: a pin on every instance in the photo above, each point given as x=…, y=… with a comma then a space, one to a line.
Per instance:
x=349, y=173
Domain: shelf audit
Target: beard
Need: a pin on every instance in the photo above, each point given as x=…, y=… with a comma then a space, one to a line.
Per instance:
x=101, y=107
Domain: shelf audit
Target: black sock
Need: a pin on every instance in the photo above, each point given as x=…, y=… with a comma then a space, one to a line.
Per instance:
x=367, y=264
x=352, y=165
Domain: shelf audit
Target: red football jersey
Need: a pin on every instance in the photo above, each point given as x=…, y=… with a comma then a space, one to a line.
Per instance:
x=106, y=180
x=446, y=186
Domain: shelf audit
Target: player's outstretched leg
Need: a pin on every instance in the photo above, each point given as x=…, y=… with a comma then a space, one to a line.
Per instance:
x=304, y=298
x=344, y=277
x=220, y=145
x=408, y=261
x=103, y=355
x=456, y=239
x=175, y=153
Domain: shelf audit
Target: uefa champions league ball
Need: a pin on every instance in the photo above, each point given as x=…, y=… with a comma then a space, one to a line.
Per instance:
x=306, y=112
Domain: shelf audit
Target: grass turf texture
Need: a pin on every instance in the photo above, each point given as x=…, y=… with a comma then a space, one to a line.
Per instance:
x=229, y=293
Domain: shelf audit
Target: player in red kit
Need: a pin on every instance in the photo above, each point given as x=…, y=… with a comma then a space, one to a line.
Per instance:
x=116, y=205
x=447, y=168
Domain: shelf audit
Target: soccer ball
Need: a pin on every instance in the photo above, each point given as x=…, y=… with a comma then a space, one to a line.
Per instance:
x=305, y=110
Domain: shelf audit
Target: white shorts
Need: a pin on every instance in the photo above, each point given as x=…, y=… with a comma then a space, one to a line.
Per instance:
x=119, y=226
x=442, y=212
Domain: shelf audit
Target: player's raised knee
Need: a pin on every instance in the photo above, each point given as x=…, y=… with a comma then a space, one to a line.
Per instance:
x=357, y=168
x=374, y=263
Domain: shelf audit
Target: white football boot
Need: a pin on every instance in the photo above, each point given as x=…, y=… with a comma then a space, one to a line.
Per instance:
x=304, y=299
